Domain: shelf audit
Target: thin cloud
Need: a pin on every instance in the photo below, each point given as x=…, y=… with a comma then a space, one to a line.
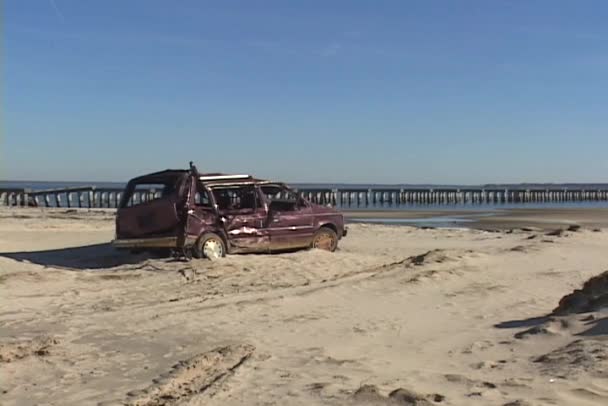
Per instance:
x=57, y=11
x=331, y=49
x=546, y=31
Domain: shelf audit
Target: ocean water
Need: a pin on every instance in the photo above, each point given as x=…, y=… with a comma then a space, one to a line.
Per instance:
x=57, y=185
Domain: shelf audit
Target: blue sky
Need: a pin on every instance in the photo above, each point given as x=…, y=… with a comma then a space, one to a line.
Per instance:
x=319, y=91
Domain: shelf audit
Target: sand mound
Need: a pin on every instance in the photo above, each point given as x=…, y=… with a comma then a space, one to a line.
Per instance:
x=578, y=356
x=39, y=346
x=592, y=297
x=192, y=377
x=370, y=395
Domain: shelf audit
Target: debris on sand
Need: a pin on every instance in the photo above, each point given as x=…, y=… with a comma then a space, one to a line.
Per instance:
x=518, y=402
x=525, y=249
x=433, y=256
x=574, y=228
x=551, y=327
x=370, y=395
x=16, y=350
x=430, y=256
x=592, y=297
x=530, y=229
x=555, y=233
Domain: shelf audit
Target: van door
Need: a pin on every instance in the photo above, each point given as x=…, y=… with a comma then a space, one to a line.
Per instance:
x=202, y=214
x=151, y=207
x=290, y=219
x=244, y=217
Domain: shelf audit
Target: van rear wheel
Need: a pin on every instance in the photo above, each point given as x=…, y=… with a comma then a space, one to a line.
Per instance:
x=325, y=239
x=210, y=246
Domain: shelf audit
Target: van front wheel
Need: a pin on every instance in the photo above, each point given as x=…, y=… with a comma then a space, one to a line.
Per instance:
x=325, y=239
x=210, y=246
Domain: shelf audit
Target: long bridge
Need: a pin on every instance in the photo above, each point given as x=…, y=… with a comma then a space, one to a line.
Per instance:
x=94, y=197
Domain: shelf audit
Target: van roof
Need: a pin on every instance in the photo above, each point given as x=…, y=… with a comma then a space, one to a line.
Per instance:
x=160, y=176
x=209, y=179
x=222, y=179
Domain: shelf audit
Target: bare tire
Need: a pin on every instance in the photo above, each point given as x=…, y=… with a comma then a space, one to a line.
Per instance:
x=210, y=246
x=325, y=239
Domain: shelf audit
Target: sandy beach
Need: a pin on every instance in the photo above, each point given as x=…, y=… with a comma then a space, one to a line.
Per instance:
x=397, y=316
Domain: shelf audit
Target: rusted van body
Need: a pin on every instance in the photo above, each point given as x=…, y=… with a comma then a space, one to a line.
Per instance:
x=212, y=215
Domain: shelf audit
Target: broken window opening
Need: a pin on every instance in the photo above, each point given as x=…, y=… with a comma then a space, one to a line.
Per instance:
x=149, y=192
x=201, y=198
x=281, y=198
x=239, y=199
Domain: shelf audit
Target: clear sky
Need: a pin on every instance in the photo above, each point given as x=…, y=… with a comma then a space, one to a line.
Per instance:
x=307, y=91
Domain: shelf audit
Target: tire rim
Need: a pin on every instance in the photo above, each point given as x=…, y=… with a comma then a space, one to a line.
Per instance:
x=324, y=241
x=213, y=249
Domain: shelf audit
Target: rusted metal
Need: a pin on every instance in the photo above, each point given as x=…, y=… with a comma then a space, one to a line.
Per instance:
x=152, y=242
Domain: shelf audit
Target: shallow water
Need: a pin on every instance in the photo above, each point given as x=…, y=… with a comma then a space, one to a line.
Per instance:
x=477, y=207
x=438, y=222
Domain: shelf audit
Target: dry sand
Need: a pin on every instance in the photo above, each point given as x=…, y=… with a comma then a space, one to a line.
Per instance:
x=399, y=316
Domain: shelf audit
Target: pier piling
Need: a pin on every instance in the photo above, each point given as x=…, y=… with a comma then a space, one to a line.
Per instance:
x=92, y=197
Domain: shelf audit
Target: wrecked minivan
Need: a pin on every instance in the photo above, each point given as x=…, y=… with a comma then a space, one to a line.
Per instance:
x=211, y=215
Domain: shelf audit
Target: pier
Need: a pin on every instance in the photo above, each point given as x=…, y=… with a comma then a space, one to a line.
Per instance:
x=77, y=197
x=93, y=197
x=363, y=198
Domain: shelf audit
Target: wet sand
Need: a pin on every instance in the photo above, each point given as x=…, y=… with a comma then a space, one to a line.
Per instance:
x=547, y=218
x=397, y=316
